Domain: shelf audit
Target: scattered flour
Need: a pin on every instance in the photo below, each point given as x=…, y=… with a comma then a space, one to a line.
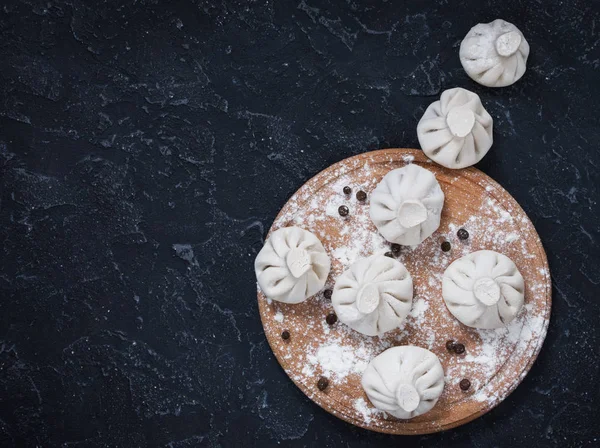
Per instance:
x=342, y=354
x=512, y=237
x=338, y=361
x=367, y=411
x=419, y=307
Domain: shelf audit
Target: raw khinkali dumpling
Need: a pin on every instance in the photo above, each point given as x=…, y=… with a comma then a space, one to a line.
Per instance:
x=374, y=295
x=292, y=265
x=483, y=289
x=407, y=205
x=404, y=381
x=456, y=131
x=494, y=54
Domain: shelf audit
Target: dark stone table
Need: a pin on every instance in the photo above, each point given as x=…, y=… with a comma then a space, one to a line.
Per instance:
x=145, y=148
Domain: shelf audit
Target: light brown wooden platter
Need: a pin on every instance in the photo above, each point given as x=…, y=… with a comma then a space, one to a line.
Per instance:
x=495, y=362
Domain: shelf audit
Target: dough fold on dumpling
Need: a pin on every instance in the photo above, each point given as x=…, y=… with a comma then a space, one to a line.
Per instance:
x=483, y=289
x=456, y=130
x=404, y=381
x=406, y=206
x=292, y=265
x=494, y=54
x=374, y=295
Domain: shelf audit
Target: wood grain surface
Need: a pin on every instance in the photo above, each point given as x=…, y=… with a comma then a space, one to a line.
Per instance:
x=495, y=221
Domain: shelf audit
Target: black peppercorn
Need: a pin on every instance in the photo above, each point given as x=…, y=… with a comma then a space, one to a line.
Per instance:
x=465, y=384
x=462, y=234
x=459, y=349
x=285, y=335
x=347, y=190
x=396, y=249
x=361, y=195
x=331, y=318
x=328, y=293
x=343, y=210
x=450, y=345
x=446, y=246
x=389, y=254
x=322, y=383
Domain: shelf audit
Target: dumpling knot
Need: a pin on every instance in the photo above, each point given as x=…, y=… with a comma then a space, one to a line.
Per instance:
x=406, y=206
x=404, y=381
x=456, y=131
x=483, y=289
x=292, y=265
x=494, y=54
x=374, y=295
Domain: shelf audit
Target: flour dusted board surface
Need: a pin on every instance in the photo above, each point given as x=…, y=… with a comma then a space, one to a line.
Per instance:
x=495, y=361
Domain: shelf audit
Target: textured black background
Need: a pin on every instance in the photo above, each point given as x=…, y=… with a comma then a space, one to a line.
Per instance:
x=146, y=147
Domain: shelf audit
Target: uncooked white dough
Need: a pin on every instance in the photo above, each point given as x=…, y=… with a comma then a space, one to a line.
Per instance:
x=404, y=381
x=292, y=265
x=483, y=289
x=374, y=295
x=494, y=54
x=406, y=206
x=456, y=130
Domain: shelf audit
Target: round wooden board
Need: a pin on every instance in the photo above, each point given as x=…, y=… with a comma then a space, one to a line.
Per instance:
x=495, y=361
